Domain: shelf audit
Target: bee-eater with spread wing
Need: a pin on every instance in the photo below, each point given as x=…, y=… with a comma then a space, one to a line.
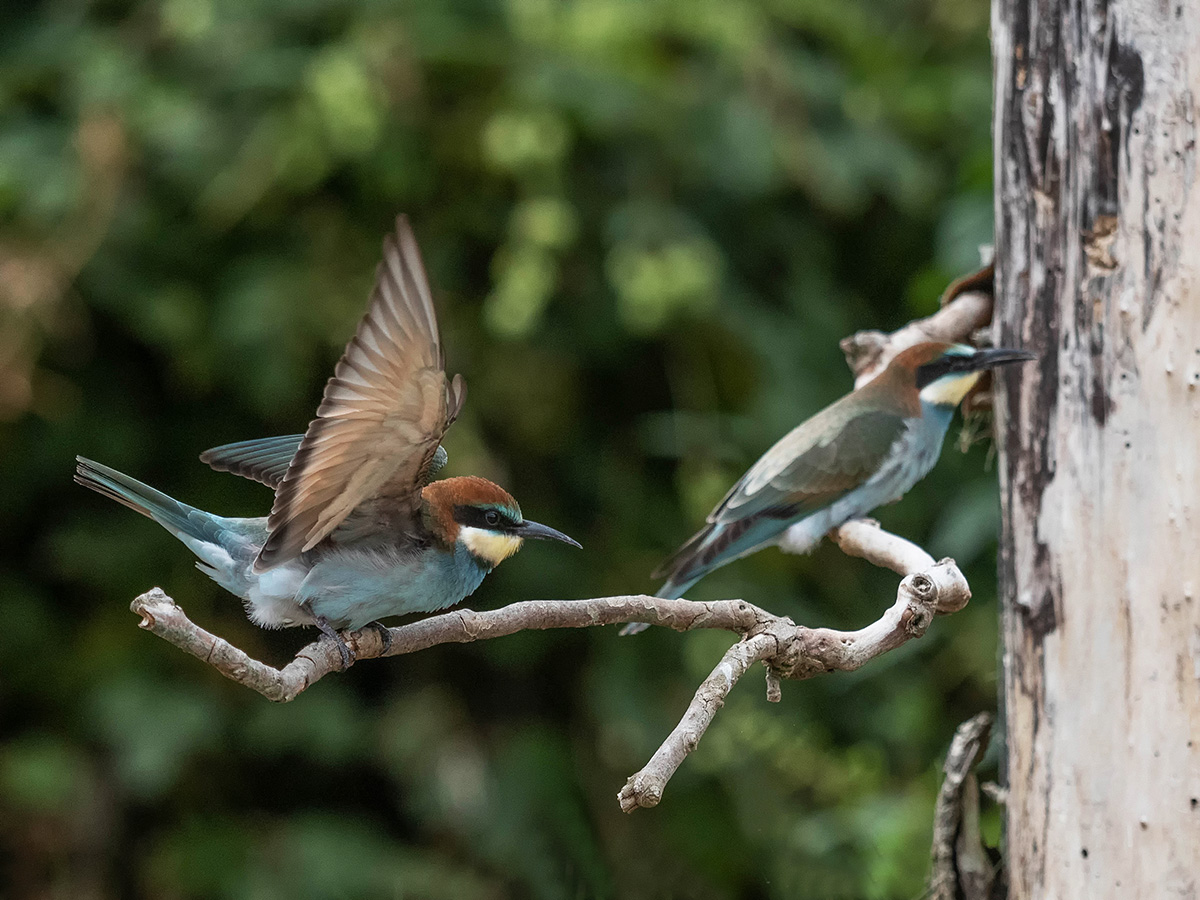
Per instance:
x=860, y=452
x=359, y=529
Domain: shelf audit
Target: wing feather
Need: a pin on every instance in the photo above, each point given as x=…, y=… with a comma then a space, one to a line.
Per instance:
x=814, y=464
x=261, y=459
x=381, y=417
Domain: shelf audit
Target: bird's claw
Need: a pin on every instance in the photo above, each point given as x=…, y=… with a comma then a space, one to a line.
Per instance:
x=342, y=647
x=345, y=653
x=385, y=635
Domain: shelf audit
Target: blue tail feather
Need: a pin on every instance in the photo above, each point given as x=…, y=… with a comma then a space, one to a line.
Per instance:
x=711, y=547
x=682, y=575
x=183, y=521
x=165, y=510
x=263, y=459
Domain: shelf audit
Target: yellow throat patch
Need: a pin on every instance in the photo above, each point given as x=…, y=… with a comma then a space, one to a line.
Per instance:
x=950, y=391
x=489, y=545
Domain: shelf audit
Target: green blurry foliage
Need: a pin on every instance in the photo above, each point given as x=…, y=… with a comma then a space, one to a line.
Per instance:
x=647, y=223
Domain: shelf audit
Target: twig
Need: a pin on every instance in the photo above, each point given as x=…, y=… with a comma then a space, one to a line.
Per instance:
x=966, y=307
x=645, y=788
x=879, y=548
x=788, y=650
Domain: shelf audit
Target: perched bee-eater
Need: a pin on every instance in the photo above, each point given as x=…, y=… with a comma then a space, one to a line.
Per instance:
x=860, y=452
x=359, y=529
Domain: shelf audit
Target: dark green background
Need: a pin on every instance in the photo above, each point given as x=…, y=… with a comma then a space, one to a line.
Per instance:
x=647, y=223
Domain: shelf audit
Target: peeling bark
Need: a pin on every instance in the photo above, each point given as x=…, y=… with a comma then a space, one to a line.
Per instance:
x=1098, y=271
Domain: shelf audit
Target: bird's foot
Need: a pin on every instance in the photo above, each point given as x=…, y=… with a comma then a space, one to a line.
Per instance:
x=385, y=635
x=634, y=628
x=342, y=647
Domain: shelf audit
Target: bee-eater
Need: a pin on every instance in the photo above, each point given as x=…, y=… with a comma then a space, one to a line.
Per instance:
x=359, y=529
x=860, y=452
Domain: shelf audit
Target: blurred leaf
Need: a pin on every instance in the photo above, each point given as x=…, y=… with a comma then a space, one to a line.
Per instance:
x=40, y=773
x=969, y=526
x=153, y=728
x=647, y=224
x=328, y=726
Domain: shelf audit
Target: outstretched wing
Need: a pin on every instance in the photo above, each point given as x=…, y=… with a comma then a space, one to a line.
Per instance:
x=382, y=416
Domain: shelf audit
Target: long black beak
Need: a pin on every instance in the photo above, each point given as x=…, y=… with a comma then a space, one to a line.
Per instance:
x=989, y=359
x=529, y=529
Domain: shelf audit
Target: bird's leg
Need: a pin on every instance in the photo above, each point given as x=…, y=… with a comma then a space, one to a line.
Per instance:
x=385, y=635
x=326, y=629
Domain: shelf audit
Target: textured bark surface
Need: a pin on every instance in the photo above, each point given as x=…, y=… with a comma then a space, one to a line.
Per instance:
x=1098, y=270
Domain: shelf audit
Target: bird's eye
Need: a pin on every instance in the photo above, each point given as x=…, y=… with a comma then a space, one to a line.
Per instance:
x=491, y=517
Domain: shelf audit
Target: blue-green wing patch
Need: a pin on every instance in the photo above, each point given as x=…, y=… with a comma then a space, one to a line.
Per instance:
x=799, y=475
x=263, y=459
x=267, y=459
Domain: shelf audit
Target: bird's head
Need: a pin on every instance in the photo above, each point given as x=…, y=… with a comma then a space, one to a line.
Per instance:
x=945, y=373
x=482, y=517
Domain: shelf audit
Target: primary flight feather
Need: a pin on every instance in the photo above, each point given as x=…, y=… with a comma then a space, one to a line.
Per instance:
x=359, y=530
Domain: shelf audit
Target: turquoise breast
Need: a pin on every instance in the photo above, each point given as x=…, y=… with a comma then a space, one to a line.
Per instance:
x=353, y=587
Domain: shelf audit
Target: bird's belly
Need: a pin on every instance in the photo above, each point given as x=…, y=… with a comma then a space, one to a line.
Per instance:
x=271, y=596
x=352, y=588
x=227, y=557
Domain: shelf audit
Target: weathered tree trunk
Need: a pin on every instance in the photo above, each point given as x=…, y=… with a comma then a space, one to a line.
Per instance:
x=1098, y=270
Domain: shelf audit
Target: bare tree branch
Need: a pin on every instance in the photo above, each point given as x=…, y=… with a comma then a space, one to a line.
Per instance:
x=164, y=617
x=961, y=867
x=788, y=650
x=876, y=546
x=645, y=788
x=793, y=651
x=966, y=307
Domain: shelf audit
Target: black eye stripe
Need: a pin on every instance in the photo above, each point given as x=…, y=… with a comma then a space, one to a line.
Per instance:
x=483, y=517
x=945, y=365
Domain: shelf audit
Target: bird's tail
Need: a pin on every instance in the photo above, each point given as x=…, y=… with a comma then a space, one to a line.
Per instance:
x=219, y=543
x=714, y=545
x=166, y=511
x=683, y=568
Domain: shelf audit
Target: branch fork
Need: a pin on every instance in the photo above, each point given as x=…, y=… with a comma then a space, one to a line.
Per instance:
x=792, y=651
x=788, y=650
